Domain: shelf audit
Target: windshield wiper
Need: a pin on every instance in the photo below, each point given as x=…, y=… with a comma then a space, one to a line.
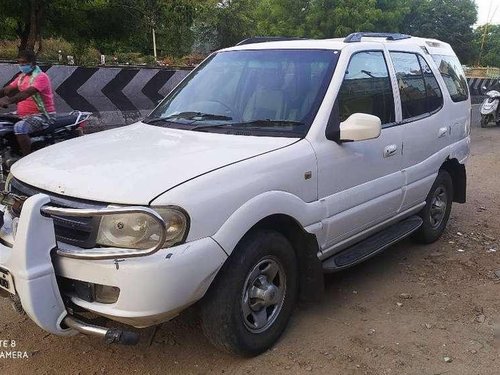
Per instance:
x=269, y=123
x=188, y=116
x=252, y=124
x=201, y=115
x=154, y=120
x=198, y=127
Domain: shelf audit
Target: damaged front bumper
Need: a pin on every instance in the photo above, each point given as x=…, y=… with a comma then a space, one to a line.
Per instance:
x=28, y=266
x=153, y=288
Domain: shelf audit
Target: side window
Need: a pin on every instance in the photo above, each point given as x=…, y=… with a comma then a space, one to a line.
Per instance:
x=453, y=76
x=367, y=88
x=420, y=92
x=434, y=94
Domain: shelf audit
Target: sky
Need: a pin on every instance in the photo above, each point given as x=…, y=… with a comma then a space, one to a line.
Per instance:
x=483, y=7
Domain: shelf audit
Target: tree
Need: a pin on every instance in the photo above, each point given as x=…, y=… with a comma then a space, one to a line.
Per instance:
x=282, y=17
x=335, y=18
x=176, y=33
x=28, y=18
x=170, y=21
x=392, y=13
x=79, y=21
x=95, y=23
x=447, y=20
x=127, y=25
x=491, y=48
x=224, y=23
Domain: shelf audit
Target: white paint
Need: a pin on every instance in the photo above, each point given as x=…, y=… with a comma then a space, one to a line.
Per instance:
x=31, y=267
x=340, y=192
x=134, y=164
x=153, y=288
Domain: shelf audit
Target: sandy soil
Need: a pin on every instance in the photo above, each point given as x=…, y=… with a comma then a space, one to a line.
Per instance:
x=402, y=312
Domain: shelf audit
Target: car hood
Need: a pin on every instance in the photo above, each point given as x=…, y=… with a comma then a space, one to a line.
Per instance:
x=136, y=163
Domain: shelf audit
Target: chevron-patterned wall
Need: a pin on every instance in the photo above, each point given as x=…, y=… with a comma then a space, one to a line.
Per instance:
x=476, y=88
x=117, y=96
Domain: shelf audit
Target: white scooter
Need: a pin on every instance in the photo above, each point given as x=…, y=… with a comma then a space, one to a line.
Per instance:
x=490, y=109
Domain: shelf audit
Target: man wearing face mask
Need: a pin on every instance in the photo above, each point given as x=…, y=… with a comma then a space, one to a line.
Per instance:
x=32, y=92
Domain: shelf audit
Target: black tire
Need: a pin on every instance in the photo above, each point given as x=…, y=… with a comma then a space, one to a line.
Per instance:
x=222, y=310
x=434, y=225
x=485, y=120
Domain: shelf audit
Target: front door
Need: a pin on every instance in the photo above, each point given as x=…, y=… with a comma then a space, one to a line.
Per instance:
x=360, y=183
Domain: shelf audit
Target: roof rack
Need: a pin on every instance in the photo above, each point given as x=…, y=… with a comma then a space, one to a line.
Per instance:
x=356, y=37
x=264, y=39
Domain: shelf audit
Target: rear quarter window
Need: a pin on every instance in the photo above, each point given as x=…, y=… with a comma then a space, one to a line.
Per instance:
x=419, y=90
x=453, y=76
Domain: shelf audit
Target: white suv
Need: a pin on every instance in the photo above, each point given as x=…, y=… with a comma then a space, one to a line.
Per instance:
x=272, y=163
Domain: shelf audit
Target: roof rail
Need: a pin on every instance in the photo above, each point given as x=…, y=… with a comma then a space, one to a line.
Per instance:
x=356, y=37
x=264, y=39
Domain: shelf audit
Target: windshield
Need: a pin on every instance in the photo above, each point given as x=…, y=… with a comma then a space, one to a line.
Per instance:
x=264, y=92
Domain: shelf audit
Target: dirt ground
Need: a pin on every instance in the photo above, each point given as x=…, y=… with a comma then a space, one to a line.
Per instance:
x=412, y=310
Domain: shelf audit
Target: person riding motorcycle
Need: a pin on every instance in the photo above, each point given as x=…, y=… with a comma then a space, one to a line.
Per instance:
x=33, y=94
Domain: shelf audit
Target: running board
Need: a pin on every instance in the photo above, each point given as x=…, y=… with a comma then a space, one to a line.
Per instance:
x=372, y=245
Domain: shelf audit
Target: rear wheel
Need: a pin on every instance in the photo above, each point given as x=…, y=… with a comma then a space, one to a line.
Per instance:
x=485, y=120
x=249, y=304
x=77, y=132
x=437, y=210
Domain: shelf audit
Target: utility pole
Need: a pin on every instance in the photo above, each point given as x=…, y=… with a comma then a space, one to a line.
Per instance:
x=485, y=33
x=483, y=40
x=154, y=44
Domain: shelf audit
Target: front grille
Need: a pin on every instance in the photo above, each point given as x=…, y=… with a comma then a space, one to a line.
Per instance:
x=77, y=231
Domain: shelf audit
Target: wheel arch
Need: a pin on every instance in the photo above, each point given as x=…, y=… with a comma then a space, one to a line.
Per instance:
x=293, y=218
x=305, y=245
x=459, y=178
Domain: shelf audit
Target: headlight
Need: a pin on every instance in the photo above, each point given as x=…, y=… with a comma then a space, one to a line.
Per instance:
x=141, y=231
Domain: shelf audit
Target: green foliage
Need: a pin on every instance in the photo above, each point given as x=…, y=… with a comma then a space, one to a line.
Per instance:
x=182, y=26
x=8, y=50
x=83, y=54
x=225, y=23
x=491, y=49
x=175, y=35
x=282, y=17
x=7, y=28
x=393, y=14
x=334, y=18
x=51, y=48
x=171, y=20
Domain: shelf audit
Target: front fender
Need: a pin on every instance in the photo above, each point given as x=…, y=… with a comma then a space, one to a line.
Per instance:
x=308, y=215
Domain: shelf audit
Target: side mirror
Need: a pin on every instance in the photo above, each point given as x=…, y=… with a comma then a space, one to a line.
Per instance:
x=360, y=127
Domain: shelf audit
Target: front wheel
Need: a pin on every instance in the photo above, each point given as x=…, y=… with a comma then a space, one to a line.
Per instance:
x=437, y=210
x=249, y=304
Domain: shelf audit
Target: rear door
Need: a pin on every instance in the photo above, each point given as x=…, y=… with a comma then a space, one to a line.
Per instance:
x=456, y=93
x=426, y=125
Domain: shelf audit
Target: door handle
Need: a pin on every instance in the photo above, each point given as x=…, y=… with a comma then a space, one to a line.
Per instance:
x=442, y=132
x=390, y=150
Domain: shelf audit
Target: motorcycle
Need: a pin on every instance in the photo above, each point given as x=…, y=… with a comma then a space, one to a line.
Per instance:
x=490, y=109
x=65, y=126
